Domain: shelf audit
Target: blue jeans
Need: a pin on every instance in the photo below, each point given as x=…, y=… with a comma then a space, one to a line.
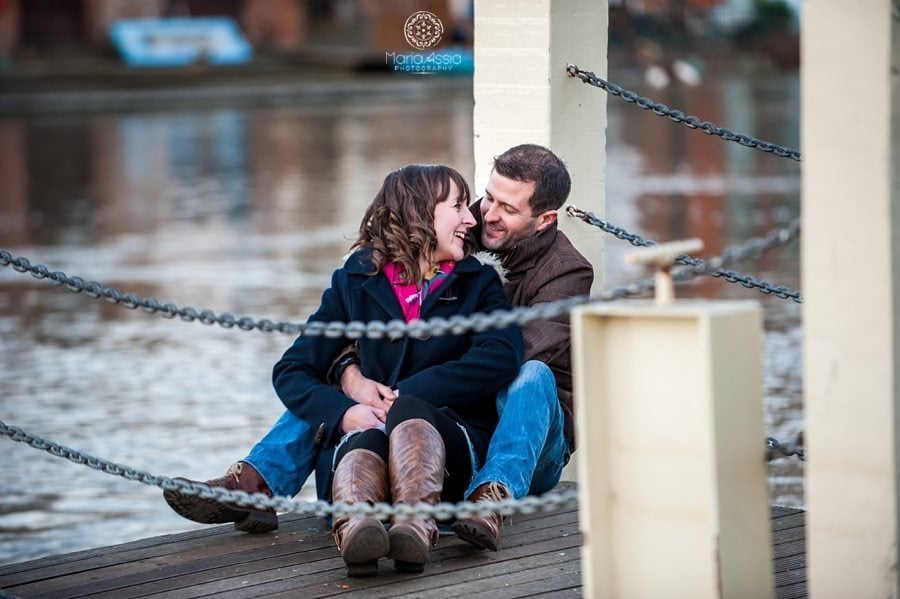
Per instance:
x=527, y=453
x=528, y=450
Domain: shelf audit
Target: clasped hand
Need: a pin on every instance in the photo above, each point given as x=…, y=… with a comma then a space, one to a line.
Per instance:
x=373, y=401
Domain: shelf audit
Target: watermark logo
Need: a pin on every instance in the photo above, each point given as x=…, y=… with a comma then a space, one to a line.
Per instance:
x=423, y=30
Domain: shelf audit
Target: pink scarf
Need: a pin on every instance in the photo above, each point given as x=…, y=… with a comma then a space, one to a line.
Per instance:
x=411, y=297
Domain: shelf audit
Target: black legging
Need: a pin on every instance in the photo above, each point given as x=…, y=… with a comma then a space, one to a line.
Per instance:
x=458, y=468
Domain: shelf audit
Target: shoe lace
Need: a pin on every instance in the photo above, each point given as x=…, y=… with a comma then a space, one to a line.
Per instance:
x=235, y=471
x=495, y=492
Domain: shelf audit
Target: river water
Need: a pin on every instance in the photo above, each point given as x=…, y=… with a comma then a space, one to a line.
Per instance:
x=248, y=210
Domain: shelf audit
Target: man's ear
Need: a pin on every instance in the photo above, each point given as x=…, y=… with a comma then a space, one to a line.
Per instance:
x=546, y=219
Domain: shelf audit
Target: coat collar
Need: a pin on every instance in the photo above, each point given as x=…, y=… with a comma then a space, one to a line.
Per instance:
x=379, y=288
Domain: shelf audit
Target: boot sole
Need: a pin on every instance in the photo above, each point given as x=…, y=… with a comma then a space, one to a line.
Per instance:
x=408, y=551
x=210, y=511
x=477, y=535
x=362, y=550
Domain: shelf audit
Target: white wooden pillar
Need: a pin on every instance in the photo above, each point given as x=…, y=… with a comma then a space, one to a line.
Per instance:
x=850, y=266
x=523, y=95
x=673, y=499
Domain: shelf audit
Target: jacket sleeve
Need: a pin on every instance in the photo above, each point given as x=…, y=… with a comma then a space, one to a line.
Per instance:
x=300, y=375
x=547, y=340
x=491, y=362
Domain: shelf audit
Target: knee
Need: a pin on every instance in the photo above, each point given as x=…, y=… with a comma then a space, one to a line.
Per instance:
x=406, y=407
x=535, y=370
x=535, y=376
x=371, y=439
x=534, y=385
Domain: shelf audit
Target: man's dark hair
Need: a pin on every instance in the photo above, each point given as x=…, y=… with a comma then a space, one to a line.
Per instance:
x=531, y=162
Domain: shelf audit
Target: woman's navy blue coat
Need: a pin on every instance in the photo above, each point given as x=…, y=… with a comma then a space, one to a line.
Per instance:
x=460, y=373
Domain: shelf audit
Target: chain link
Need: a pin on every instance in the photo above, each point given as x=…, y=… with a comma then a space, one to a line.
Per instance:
x=714, y=267
x=775, y=449
x=677, y=116
x=384, y=511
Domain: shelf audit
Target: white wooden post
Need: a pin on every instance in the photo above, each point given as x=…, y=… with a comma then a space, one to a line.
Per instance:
x=672, y=455
x=523, y=95
x=851, y=310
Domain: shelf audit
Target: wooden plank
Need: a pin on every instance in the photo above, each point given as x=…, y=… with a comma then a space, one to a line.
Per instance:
x=233, y=546
x=788, y=536
x=552, y=585
x=238, y=563
x=791, y=562
x=540, y=556
x=782, y=518
x=787, y=578
x=513, y=559
x=331, y=573
x=60, y=564
x=157, y=548
x=471, y=579
x=573, y=592
x=261, y=561
x=795, y=591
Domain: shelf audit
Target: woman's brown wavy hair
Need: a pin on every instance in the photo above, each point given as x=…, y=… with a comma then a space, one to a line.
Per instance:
x=398, y=225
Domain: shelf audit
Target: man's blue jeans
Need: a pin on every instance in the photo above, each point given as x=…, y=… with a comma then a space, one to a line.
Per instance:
x=285, y=456
x=527, y=452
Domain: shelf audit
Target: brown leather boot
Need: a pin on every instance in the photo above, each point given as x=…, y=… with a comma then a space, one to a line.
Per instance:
x=241, y=476
x=417, y=457
x=360, y=476
x=483, y=531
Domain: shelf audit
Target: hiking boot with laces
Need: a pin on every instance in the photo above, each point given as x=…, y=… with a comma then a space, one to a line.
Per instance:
x=483, y=531
x=241, y=476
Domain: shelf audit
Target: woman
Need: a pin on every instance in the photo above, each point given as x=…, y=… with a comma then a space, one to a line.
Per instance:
x=411, y=261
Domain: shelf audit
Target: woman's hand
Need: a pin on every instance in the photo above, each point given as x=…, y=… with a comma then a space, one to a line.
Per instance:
x=365, y=390
x=362, y=417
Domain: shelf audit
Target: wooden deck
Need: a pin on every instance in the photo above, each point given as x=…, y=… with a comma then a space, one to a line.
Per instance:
x=540, y=557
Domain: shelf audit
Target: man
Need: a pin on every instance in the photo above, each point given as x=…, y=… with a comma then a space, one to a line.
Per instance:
x=517, y=220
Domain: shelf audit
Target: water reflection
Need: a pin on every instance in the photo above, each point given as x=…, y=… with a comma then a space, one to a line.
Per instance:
x=248, y=211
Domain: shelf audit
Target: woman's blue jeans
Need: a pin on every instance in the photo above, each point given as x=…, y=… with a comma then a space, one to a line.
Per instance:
x=527, y=453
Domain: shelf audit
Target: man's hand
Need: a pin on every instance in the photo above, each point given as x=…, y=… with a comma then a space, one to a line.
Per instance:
x=366, y=391
x=362, y=417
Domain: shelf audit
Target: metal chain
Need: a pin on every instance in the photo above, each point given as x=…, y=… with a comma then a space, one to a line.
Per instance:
x=714, y=267
x=394, y=329
x=149, y=305
x=691, y=122
x=384, y=511
x=774, y=450
x=455, y=325
x=753, y=248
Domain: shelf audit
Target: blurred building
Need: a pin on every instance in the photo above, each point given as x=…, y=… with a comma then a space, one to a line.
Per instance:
x=672, y=40
x=46, y=28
